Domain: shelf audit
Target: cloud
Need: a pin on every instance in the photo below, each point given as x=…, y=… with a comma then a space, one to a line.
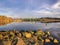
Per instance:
x=56, y=6
x=30, y=8
x=43, y=12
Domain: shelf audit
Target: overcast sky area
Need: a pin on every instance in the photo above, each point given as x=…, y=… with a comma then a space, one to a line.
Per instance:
x=30, y=8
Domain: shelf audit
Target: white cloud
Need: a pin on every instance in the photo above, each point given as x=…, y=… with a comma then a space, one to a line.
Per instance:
x=56, y=6
x=43, y=11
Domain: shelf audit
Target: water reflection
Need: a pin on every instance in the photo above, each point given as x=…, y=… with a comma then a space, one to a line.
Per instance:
x=30, y=26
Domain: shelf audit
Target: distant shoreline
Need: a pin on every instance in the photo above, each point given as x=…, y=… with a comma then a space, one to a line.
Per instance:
x=6, y=20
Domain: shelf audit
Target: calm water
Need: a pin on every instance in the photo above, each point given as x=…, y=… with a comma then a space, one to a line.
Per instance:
x=30, y=26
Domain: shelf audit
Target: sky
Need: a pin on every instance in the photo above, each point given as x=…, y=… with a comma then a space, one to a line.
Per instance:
x=30, y=8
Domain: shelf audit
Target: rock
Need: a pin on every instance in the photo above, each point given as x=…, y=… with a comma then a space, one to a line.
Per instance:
x=28, y=35
x=47, y=40
x=56, y=41
x=20, y=42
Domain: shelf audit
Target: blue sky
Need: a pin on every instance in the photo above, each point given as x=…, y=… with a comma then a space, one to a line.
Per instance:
x=30, y=8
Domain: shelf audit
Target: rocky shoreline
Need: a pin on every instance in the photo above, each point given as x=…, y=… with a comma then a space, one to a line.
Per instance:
x=38, y=37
